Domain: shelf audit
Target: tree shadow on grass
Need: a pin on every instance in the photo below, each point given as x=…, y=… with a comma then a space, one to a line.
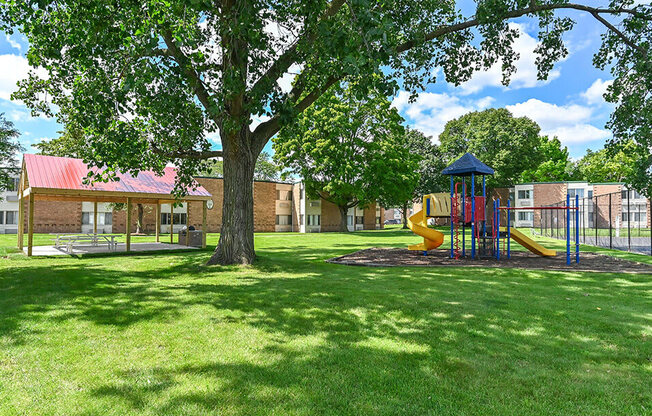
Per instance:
x=372, y=340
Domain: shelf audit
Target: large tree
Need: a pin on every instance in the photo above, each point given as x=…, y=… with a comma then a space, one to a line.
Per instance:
x=349, y=151
x=150, y=80
x=510, y=145
x=9, y=148
x=605, y=165
x=428, y=172
x=555, y=164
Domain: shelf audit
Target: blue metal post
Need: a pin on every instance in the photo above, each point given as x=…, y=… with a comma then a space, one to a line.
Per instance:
x=473, y=215
x=484, y=194
x=577, y=229
x=509, y=253
x=568, y=229
x=463, y=216
x=498, y=229
x=452, y=243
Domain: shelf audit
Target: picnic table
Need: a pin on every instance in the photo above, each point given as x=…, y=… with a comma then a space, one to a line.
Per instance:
x=70, y=240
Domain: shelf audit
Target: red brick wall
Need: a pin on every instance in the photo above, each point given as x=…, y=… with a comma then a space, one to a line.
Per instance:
x=264, y=206
x=602, y=193
x=215, y=186
x=55, y=216
x=330, y=216
x=369, y=217
x=548, y=194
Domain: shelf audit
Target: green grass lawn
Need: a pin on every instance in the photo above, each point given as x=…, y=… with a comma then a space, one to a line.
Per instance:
x=293, y=335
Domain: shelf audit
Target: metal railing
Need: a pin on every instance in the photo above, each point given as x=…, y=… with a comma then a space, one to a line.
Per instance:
x=619, y=220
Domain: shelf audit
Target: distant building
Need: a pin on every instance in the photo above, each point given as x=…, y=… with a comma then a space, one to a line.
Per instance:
x=278, y=207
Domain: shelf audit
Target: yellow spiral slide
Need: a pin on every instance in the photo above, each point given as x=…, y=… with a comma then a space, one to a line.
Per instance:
x=432, y=239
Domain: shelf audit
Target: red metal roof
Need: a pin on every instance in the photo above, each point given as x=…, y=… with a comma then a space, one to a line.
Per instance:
x=68, y=173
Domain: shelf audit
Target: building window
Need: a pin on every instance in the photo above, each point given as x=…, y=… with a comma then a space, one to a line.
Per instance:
x=13, y=184
x=377, y=220
x=11, y=218
x=525, y=216
x=179, y=219
x=283, y=195
x=359, y=220
x=301, y=220
x=590, y=194
x=2, y=217
x=106, y=218
x=632, y=194
x=524, y=194
x=87, y=218
x=314, y=220
x=640, y=216
x=349, y=220
x=573, y=192
x=284, y=220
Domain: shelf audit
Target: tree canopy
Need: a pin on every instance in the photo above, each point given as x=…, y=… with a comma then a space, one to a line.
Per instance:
x=149, y=80
x=555, y=164
x=349, y=151
x=9, y=148
x=510, y=145
x=605, y=165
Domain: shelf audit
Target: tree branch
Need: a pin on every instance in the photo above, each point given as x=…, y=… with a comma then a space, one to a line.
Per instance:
x=531, y=9
x=193, y=77
x=265, y=130
x=186, y=154
x=283, y=62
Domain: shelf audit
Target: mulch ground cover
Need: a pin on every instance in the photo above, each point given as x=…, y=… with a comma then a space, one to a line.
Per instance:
x=589, y=262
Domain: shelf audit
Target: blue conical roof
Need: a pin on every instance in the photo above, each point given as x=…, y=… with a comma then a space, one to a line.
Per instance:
x=466, y=165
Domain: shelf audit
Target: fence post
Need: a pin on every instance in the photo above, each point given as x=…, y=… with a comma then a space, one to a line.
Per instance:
x=610, y=236
x=629, y=221
x=595, y=223
x=577, y=230
x=568, y=229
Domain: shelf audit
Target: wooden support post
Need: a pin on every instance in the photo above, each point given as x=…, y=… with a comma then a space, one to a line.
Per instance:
x=187, y=223
x=95, y=217
x=172, y=223
x=21, y=219
x=203, y=224
x=30, y=225
x=128, y=238
x=158, y=222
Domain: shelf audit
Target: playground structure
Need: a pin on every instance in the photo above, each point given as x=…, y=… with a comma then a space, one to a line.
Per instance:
x=469, y=211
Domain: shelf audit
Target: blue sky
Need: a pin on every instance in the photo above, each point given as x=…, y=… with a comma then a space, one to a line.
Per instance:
x=569, y=104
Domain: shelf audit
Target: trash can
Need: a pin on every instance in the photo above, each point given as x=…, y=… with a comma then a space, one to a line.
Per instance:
x=195, y=238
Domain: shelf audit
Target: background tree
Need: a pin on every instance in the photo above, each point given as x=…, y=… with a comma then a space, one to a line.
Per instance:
x=508, y=144
x=149, y=80
x=9, y=148
x=70, y=143
x=349, y=151
x=605, y=166
x=266, y=169
x=428, y=172
x=555, y=164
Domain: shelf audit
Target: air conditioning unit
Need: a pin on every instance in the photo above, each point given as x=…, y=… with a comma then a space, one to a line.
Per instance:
x=314, y=204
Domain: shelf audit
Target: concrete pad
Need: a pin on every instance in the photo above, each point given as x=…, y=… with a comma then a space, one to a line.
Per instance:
x=103, y=248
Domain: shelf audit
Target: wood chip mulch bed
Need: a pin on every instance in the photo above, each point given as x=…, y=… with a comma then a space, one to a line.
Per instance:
x=589, y=262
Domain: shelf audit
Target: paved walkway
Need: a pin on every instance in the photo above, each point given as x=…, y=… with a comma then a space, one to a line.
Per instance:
x=103, y=248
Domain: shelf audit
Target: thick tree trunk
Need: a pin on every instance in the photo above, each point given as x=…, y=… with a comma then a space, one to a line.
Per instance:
x=405, y=215
x=343, y=219
x=236, y=244
x=139, y=218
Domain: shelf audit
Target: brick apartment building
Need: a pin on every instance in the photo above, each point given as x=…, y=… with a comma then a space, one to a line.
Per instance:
x=596, y=200
x=278, y=207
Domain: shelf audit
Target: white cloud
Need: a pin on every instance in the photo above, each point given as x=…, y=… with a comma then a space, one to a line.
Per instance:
x=14, y=69
x=526, y=69
x=569, y=122
x=595, y=93
x=14, y=44
x=285, y=82
x=579, y=133
x=431, y=111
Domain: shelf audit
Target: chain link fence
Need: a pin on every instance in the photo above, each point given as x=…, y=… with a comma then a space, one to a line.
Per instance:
x=619, y=220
